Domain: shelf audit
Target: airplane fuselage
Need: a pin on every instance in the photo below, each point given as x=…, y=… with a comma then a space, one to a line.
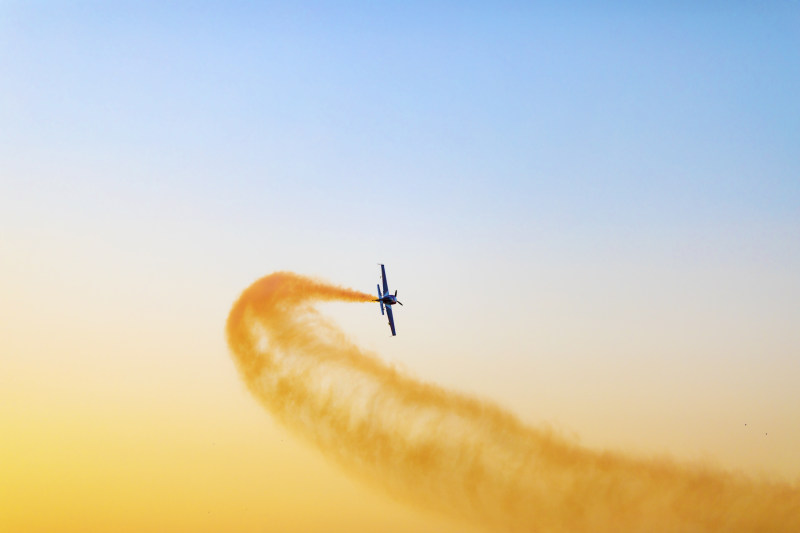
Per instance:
x=389, y=299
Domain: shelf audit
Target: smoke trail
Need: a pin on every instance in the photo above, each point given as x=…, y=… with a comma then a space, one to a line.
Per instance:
x=461, y=455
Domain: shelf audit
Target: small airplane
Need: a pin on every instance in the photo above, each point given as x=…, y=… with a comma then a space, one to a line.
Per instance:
x=386, y=299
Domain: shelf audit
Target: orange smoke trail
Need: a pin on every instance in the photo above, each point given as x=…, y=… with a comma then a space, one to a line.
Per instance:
x=461, y=455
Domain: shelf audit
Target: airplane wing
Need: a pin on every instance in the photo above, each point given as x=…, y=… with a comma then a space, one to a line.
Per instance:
x=391, y=317
x=383, y=276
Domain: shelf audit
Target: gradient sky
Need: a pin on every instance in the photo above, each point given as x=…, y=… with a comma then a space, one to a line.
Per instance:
x=592, y=215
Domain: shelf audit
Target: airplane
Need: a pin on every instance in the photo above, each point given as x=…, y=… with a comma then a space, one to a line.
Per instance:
x=386, y=299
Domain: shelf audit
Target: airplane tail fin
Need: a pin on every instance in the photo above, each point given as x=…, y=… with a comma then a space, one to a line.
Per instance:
x=379, y=299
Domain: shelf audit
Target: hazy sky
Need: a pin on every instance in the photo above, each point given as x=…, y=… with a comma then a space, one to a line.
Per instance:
x=591, y=213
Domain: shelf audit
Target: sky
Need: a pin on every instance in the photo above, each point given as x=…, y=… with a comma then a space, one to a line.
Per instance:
x=592, y=215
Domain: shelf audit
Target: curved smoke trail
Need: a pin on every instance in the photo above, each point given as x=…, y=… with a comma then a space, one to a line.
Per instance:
x=461, y=455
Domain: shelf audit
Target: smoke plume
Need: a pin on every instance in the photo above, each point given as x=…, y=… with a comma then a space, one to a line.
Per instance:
x=461, y=455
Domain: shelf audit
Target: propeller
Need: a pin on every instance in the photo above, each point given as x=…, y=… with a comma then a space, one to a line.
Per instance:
x=395, y=297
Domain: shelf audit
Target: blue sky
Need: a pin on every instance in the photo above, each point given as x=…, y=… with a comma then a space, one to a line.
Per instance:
x=650, y=114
